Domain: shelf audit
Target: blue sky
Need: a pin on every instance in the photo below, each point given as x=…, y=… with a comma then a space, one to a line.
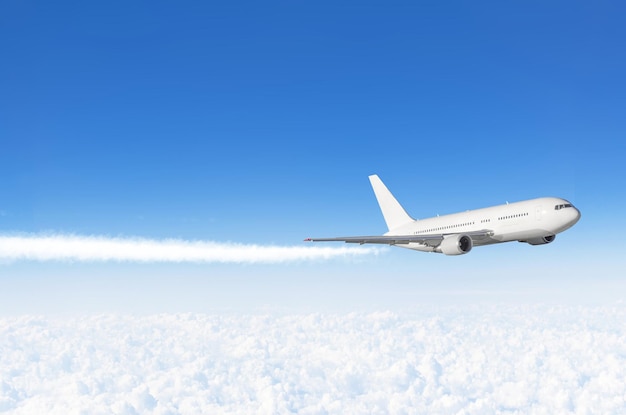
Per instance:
x=259, y=123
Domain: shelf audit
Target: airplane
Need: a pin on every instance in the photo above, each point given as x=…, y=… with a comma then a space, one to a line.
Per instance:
x=534, y=221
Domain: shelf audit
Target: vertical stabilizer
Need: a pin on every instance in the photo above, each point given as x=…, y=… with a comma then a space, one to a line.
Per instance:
x=394, y=214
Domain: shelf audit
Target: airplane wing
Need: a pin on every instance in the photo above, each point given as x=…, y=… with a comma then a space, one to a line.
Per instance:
x=430, y=239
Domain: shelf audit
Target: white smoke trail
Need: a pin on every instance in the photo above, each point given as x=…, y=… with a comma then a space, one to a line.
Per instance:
x=102, y=248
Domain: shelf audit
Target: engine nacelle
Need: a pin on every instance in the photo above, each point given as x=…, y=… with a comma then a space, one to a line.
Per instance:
x=455, y=245
x=541, y=240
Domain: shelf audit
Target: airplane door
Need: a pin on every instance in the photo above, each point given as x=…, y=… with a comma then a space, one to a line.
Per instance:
x=538, y=212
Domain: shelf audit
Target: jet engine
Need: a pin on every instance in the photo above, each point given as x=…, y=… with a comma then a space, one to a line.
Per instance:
x=455, y=245
x=541, y=240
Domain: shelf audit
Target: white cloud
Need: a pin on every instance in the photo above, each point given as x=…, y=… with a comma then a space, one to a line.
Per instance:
x=101, y=248
x=501, y=360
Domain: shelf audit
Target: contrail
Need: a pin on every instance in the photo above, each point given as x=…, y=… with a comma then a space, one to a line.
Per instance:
x=103, y=249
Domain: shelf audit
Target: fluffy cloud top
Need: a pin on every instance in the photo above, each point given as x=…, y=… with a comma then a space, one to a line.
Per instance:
x=100, y=248
x=520, y=360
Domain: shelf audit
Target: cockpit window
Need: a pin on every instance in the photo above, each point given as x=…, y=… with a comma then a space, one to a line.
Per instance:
x=566, y=205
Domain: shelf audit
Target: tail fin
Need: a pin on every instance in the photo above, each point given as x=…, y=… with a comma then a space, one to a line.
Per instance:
x=394, y=214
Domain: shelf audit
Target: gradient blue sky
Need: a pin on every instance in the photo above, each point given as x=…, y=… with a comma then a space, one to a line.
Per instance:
x=260, y=122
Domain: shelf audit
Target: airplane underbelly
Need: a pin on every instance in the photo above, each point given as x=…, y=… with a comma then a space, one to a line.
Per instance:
x=523, y=234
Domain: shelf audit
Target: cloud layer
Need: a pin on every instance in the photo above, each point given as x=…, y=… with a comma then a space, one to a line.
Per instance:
x=497, y=360
x=100, y=248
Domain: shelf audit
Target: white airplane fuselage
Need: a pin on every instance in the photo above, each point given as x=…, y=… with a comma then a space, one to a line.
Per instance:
x=535, y=221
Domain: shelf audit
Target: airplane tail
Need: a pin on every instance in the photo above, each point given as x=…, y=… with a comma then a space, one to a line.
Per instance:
x=394, y=214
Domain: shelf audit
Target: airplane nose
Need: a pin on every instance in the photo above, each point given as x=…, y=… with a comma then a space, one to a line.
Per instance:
x=576, y=215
